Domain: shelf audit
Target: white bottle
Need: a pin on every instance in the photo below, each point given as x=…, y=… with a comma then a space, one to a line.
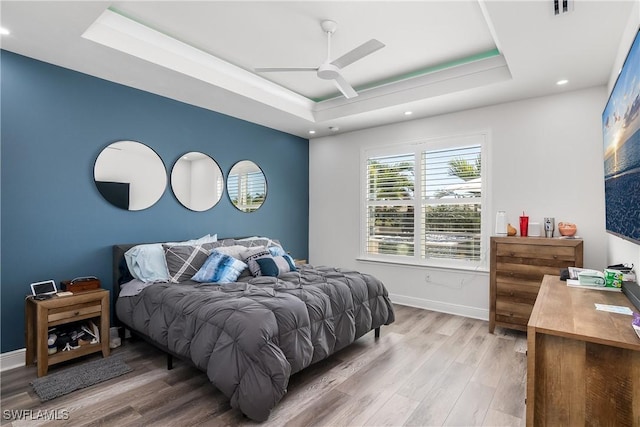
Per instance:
x=501, y=223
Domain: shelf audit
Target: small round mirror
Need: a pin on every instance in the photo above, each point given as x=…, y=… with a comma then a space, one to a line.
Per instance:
x=246, y=186
x=130, y=175
x=197, y=181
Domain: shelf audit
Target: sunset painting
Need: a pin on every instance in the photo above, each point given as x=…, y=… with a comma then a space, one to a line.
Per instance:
x=621, y=131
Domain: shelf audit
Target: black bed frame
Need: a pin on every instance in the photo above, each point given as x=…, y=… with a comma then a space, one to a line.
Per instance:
x=118, y=256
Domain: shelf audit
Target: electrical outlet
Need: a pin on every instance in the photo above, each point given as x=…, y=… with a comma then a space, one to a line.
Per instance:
x=427, y=278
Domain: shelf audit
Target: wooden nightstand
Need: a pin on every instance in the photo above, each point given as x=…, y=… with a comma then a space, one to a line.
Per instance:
x=300, y=262
x=42, y=315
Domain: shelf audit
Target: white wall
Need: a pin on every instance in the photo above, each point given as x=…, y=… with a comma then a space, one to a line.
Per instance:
x=622, y=251
x=544, y=157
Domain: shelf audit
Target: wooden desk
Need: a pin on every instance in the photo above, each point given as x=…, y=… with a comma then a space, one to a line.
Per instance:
x=583, y=365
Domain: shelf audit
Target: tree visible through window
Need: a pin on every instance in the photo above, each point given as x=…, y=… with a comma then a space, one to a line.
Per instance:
x=425, y=204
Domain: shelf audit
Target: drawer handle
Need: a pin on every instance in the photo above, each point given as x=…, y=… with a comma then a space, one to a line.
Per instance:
x=511, y=293
x=76, y=313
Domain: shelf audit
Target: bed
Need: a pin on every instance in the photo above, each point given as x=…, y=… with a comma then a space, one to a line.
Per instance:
x=250, y=335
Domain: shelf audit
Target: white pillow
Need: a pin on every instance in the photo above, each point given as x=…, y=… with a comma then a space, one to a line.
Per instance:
x=204, y=239
x=234, y=251
x=148, y=264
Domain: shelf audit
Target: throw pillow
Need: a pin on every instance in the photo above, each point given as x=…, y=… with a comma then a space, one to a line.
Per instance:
x=219, y=268
x=235, y=251
x=275, y=265
x=276, y=251
x=251, y=255
x=185, y=261
x=147, y=262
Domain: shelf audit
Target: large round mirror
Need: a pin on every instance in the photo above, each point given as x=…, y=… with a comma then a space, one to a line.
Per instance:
x=197, y=181
x=130, y=175
x=246, y=186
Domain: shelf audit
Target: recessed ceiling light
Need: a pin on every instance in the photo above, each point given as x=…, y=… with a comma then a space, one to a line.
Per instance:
x=4, y=31
x=408, y=113
x=311, y=132
x=562, y=82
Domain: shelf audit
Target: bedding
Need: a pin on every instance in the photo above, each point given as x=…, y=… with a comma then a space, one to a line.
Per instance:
x=251, y=335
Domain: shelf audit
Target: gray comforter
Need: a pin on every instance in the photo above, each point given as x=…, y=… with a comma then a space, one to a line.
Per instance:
x=250, y=336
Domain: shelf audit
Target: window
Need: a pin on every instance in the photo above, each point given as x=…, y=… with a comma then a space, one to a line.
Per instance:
x=423, y=202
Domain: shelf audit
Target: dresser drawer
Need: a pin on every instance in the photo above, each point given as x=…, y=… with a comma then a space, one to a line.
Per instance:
x=537, y=253
x=523, y=271
x=510, y=311
x=522, y=291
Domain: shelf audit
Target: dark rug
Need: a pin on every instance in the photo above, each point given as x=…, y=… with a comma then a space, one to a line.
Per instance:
x=77, y=377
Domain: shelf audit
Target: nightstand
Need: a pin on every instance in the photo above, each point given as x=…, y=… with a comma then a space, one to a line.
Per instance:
x=42, y=315
x=300, y=261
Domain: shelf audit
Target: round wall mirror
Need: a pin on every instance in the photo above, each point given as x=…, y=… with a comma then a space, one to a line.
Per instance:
x=130, y=175
x=197, y=181
x=246, y=186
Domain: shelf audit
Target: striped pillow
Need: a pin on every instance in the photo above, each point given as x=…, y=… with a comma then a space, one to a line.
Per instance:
x=251, y=255
x=275, y=265
x=185, y=261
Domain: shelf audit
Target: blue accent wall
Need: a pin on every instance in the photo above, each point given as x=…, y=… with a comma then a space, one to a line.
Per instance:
x=55, y=224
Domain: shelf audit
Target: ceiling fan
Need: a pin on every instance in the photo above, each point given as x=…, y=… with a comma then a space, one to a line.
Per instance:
x=331, y=70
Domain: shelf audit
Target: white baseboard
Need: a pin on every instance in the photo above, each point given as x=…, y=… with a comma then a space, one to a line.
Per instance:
x=443, y=307
x=12, y=359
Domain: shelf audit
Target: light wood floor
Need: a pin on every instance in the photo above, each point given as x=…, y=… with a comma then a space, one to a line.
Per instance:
x=426, y=369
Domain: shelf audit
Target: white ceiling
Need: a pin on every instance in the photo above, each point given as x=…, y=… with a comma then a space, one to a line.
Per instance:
x=440, y=56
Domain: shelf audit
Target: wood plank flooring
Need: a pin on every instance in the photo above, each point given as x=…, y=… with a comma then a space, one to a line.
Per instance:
x=426, y=369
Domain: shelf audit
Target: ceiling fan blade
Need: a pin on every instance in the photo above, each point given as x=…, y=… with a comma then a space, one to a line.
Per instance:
x=269, y=70
x=358, y=53
x=345, y=87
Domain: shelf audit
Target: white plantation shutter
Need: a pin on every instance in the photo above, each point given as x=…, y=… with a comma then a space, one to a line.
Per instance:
x=423, y=202
x=451, y=203
x=390, y=199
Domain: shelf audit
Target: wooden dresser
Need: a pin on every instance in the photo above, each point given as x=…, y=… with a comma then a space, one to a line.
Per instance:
x=517, y=267
x=583, y=365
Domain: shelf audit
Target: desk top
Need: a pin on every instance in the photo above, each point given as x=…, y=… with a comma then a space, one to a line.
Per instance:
x=570, y=312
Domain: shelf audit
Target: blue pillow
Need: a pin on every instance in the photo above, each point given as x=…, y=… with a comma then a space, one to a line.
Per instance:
x=219, y=268
x=275, y=266
x=276, y=251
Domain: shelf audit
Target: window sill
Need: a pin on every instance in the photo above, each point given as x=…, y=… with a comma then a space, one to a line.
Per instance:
x=413, y=264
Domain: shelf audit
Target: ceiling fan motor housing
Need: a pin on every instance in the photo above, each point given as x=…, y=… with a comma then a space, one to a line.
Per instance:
x=328, y=71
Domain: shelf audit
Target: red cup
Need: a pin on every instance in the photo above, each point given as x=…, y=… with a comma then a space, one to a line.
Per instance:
x=524, y=226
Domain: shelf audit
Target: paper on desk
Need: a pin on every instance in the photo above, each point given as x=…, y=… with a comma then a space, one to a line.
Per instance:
x=614, y=309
